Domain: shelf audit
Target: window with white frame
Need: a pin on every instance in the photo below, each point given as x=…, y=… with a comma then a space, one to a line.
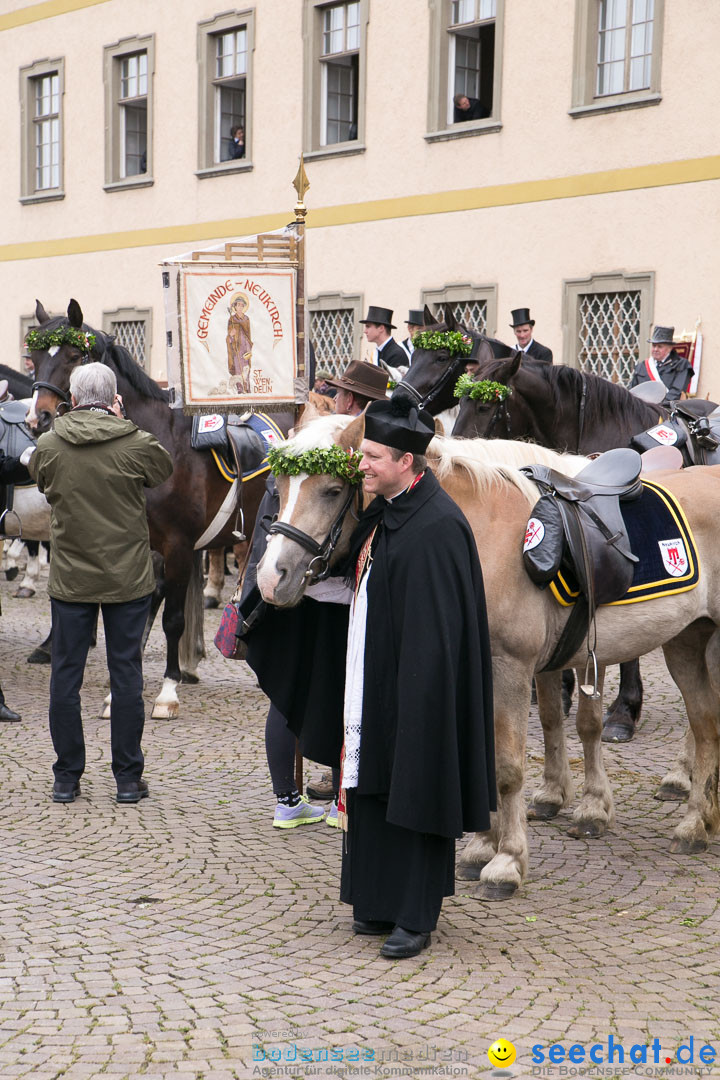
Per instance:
x=608, y=318
x=465, y=67
x=131, y=328
x=334, y=75
x=225, y=51
x=129, y=66
x=41, y=94
x=335, y=330
x=339, y=73
x=617, y=54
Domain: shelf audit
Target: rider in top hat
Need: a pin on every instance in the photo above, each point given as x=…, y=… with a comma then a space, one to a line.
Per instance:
x=664, y=365
x=522, y=324
x=378, y=324
x=414, y=322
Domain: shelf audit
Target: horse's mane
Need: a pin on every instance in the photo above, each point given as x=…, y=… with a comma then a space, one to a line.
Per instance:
x=489, y=462
x=105, y=349
x=602, y=396
x=493, y=462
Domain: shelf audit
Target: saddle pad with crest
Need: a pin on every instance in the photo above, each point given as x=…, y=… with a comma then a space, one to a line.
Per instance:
x=262, y=430
x=660, y=536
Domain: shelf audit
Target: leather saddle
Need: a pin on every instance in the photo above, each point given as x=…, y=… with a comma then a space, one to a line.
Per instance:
x=577, y=525
x=231, y=437
x=15, y=435
x=693, y=426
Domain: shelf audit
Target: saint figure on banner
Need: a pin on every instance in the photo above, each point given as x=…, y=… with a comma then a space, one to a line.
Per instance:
x=239, y=341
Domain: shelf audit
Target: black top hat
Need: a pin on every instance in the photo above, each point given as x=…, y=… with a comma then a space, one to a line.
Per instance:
x=396, y=422
x=416, y=317
x=361, y=378
x=521, y=317
x=663, y=335
x=380, y=315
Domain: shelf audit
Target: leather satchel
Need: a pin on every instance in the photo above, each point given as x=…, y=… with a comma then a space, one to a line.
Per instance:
x=227, y=638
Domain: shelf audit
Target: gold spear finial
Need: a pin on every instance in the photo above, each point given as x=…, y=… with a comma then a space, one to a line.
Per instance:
x=301, y=184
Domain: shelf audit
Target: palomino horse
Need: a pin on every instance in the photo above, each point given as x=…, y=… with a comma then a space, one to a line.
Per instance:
x=497, y=500
x=180, y=512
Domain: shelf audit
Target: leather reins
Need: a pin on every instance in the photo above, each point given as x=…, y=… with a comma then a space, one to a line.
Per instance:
x=321, y=552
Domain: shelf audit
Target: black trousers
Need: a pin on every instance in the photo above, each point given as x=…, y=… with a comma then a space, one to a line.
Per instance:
x=390, y=874
x=72, y=631
x=280, y=749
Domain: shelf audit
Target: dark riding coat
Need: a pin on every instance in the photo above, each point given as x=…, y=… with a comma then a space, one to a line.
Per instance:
x=393, y=354
x=539, y=352
x=675, y=371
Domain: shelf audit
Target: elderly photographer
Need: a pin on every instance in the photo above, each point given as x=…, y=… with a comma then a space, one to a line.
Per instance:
x=93, y=468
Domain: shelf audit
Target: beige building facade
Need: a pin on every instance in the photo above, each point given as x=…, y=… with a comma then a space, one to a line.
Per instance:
x=581, y=179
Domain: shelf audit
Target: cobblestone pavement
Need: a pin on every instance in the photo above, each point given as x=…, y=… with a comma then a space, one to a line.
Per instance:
x=185, y=937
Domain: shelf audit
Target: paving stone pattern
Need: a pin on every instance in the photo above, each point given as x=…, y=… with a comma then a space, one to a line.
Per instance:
x=184, y=937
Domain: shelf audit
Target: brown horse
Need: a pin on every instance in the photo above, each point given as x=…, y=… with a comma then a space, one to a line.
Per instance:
x=180, y=511
x=497, y=500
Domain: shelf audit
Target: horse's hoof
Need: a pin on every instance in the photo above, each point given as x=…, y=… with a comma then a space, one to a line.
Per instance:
x=616, y=731
x=169, y=710
x=587, y=830
x=38, y=656
x=489, y=891
x=671, y=793
x=688, y=847
x=468, y=871
x=542, y=811
x=105, y=714
x=189, y=677
x=12, y=573
x=210, y=602
x=24, y=593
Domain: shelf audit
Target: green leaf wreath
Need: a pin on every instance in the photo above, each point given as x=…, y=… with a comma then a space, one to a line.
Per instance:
x=333, y=462
x=42, y=340
x=457, y=344
x=485, y=390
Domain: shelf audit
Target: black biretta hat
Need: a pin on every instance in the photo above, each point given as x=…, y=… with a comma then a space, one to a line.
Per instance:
x=398, y=423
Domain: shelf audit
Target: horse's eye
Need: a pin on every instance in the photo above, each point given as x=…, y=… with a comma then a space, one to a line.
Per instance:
x=332, y=493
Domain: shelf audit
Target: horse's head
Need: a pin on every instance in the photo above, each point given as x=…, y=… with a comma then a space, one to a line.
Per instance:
x=57, y=346
x=435, y=370
x=316, y=475
x=502, y=400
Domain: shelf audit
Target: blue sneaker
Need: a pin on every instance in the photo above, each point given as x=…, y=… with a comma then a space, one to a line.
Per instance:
x=332, y=816
x=289, y=817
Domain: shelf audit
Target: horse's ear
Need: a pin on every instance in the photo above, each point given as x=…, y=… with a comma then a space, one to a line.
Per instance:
x=509, y=368
x=40, y=313
x=351, y=436
x=75, y=315
x=449, y=317
x=428, y=317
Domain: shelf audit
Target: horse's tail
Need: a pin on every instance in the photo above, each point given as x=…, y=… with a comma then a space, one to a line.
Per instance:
x=191, y=648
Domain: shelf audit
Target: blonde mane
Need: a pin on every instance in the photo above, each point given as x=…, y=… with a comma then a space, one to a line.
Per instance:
x=488, y=462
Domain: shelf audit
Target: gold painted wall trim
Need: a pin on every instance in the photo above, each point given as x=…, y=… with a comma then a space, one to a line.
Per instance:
x=664, y=174
x=46, y=10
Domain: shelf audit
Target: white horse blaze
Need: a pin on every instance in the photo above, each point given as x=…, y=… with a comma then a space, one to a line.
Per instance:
x=31, y=417
x=268, y=575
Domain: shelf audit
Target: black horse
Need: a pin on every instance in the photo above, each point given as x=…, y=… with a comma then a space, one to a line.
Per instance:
x=19, y=385
x=179, y=511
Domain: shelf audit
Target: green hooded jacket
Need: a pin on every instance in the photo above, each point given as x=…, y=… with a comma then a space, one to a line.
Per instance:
x=93, y=469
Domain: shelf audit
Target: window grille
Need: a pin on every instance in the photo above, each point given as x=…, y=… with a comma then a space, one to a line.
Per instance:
x=609, y=334
x=471, y=313
x=131, y=334
x=332, y=334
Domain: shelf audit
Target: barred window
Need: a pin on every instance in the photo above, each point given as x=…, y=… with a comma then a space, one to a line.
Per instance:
x=471, y=313
x=332, y=332
x=609, y=334
x=131, y=329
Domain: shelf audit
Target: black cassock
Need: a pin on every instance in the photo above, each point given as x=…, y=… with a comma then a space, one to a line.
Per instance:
x=426, y=769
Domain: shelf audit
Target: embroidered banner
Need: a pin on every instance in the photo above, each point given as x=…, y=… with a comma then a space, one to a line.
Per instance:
x=238, y=340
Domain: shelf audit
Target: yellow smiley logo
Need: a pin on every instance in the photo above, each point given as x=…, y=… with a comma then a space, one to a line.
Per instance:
x=502, y=1053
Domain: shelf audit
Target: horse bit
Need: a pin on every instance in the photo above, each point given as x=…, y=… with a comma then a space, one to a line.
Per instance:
x=322, y=553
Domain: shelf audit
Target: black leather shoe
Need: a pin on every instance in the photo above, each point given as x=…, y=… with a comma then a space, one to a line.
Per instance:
x=132, y=791
x=371, y=926
x=8, y=716
x=404, y=943
x=63, y=792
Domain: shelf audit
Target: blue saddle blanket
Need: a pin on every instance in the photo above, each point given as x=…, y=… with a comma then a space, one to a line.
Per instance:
x=661, y=538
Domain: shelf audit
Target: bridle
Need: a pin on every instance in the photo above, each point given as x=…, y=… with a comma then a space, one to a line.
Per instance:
x=64, y=395
x=500, y=413
x=322, y=553
x=423, y=400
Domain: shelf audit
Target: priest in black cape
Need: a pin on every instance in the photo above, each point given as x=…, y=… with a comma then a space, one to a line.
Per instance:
x=418, y=768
